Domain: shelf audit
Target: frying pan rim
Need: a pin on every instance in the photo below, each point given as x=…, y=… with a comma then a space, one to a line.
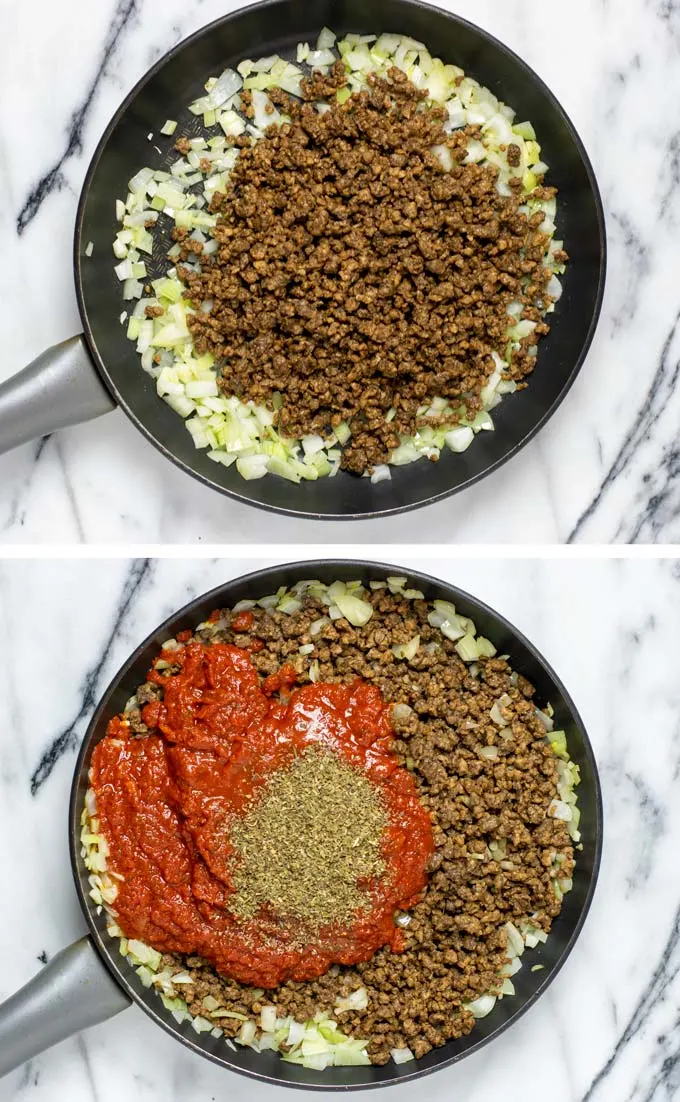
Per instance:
x=237, y=494
x=306, y=568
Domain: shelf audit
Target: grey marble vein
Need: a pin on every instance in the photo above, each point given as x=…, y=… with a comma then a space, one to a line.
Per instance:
x=642, y=424
x=53, y=179
x=139, y=575
x=660, y=1068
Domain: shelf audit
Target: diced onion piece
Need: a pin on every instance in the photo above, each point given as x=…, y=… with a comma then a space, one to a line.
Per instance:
x=311, y=445
x=407, y=650
x=458, y=440
x=357, y=1000
x=381, y=473
x=202, y=389
x=482, y=1006
x=402, y=1055
x=265, y=114
x=342, y=433
x=296, y=1033
x=497, y=716
x=558, y=742
x=467, y=648
x=515, y=940
x=452, y=629
x=252, y=466
x=356, y=611
x=246, y=1034
x=326, y=39
x=443, y=155
x=554, y=288
x=143, y=954
x=243, y=606
x=396, y=583
x=514, y=966
x=289, y=604
x=320, y=59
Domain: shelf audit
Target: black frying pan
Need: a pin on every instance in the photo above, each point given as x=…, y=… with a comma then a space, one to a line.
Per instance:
x=62, y=388
x=90, y=981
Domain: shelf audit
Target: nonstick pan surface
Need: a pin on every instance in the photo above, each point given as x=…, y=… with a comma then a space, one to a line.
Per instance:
x=276, y=27
x=529, y=985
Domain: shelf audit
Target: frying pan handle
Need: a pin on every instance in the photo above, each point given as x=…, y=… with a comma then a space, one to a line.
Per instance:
x=60, y=388
x=72, y=992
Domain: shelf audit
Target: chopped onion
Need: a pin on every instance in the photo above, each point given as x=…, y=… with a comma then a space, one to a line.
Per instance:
x=296, y=1033
x=252, y=466
x=407, y=650
x=357, y=1000
x=227, y=85
x=497, y=716
x=320, y=58
x=482, y=1006
x=515, y=940
x=326, y=39
x=402, y=1055
x=356, y=611
x=246, y=1034
x=458, y=440
x=396, y=583
x=381, y=473
x=443, y=155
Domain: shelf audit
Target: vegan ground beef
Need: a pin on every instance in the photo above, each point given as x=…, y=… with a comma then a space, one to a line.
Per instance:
x=356, y=276
x=455, y=941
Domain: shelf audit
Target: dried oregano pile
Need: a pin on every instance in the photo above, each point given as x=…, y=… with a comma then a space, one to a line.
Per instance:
x=305, y=846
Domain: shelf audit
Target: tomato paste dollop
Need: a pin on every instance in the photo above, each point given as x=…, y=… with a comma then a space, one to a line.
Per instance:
x=166, y=801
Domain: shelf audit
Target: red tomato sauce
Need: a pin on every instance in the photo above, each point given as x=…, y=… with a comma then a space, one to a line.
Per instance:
x=164, y=803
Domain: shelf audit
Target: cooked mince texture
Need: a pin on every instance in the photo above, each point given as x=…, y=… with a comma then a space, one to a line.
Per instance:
x=488, y=790
x=338, y=290
x=364, y=269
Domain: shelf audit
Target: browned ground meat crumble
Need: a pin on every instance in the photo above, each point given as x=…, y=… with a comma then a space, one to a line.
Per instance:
x=356, y=275
x=456, y=944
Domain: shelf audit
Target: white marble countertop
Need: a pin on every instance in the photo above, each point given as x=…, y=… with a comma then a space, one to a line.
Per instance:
x=606, y=468
x=606, y=1030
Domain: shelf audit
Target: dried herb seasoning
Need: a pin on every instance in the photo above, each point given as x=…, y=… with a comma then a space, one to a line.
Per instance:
x=310, y=846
